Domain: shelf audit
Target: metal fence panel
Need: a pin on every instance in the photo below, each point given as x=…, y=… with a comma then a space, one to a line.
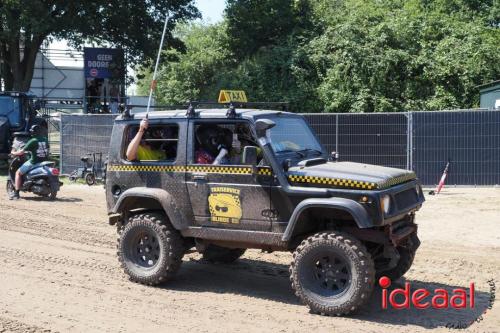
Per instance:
x=380, y=138
x=469, y=139
x=82, y=134
x=53, y=135
x=325, y=126
x=373, y=138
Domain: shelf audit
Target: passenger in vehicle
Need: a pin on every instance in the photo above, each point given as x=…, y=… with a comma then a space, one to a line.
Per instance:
x=213, y=145
x=140, y=149
x=224, y=148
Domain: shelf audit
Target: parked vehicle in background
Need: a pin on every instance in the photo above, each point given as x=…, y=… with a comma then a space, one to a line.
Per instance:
x=93, y=169
x=18, y=112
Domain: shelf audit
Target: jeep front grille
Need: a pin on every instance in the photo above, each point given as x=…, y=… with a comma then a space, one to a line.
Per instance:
x=406, y=198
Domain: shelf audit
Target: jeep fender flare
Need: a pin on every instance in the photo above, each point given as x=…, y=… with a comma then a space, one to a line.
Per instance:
x=164, y=199
x=359, y=214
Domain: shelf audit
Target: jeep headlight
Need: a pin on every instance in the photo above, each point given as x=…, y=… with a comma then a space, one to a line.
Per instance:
x=418, y=189
x=385, y=204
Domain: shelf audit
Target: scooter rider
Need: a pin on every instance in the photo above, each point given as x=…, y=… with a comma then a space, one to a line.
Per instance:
x=38, y=149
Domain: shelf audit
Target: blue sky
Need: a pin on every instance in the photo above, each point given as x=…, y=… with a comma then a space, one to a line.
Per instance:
x=211, y=10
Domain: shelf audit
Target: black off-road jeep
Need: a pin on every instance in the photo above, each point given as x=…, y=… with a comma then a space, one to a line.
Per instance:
x=276, y=189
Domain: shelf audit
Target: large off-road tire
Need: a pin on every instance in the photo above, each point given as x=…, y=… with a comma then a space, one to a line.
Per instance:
x=150, y=249
x=405, y=261
x=219, y=254
x=332, y=273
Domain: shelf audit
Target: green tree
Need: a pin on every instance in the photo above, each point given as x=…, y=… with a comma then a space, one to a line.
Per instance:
x=341, y=55
x=132, y=25
x=195, y=72
x=208, y=65
x=403, y=55
x=252, y=24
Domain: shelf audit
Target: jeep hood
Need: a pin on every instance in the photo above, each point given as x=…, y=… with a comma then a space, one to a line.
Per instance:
x=348, y=175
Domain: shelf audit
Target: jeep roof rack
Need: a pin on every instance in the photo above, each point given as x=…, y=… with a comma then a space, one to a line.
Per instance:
x=231, y=112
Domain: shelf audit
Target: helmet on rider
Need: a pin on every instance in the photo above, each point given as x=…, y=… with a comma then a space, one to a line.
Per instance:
x=35, y=130
x=208, y=138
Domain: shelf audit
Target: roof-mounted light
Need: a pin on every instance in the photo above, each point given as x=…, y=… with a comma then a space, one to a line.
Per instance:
x=229, y=96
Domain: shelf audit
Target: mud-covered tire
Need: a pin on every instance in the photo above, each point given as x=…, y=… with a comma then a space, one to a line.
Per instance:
x=150, y=249
x=332, y=273
x=219, y=254
x=406, y=257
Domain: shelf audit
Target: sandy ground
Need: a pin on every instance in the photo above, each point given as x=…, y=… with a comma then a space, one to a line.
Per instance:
x=59, y=273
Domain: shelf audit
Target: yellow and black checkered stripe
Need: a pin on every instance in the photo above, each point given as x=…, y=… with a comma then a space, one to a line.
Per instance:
x=337, y=182
x=147, y=168
x=223, y=169
x=264, y=171
x=397, y=180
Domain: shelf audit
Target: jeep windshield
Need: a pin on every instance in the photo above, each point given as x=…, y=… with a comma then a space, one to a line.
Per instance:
x=293, y=135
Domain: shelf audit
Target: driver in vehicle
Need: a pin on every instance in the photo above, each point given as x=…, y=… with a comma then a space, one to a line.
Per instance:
x=38, y=150
x=140, y=149
x=244, y=138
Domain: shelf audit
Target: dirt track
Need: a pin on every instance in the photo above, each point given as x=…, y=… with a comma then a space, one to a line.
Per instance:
x=59, y=273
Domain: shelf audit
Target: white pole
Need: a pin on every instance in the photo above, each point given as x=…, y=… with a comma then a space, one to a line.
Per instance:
x=153, y=82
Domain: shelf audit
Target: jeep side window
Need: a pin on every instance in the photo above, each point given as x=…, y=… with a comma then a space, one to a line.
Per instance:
x=157, y=143
x=222, y=143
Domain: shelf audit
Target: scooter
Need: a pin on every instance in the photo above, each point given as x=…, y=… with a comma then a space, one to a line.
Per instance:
x=42, y=180
x=92, y=169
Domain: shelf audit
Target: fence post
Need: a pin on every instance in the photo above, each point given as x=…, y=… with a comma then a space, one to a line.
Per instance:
x=337, y=133
x=61, y=128
x=409, y=141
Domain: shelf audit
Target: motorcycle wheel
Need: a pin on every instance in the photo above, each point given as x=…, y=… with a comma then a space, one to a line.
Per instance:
x=90, y=179
x=53, y=195
x=10, y=188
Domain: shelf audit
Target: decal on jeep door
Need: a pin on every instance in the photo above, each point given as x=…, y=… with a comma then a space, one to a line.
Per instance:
x=224, y=204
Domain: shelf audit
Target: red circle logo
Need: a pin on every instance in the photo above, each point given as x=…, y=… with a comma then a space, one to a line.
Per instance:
x=384, y=282
x=93, y=72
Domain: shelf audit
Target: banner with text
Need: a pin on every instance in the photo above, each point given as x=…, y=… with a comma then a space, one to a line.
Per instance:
x=104, y=63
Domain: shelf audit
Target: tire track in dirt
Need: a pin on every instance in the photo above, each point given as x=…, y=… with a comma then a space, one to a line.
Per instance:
x=11, y=325
x=49, y=227
x=59, y=271
x=42, y=261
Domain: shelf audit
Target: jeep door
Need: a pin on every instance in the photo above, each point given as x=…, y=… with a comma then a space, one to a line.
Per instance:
x=231, y=195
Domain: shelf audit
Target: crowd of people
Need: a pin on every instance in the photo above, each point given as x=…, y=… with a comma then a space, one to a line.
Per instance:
x=103, y=97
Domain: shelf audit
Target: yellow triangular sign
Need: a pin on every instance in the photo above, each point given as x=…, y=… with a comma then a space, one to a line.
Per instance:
x=227, y=96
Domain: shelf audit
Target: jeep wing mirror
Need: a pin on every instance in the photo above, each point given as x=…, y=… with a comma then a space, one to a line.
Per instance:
x=249, y=155
x=262, y=125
